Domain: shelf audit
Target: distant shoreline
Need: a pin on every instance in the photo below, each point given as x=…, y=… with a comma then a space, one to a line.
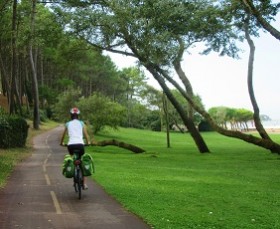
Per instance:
x=269, y=130
x=272, y=130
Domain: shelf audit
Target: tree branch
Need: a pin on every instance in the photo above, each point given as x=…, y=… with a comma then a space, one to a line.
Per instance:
x=124, y=145
x=250, y=6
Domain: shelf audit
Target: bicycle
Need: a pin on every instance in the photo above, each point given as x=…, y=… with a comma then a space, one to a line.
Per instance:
x=78, y=174
x=79, y=170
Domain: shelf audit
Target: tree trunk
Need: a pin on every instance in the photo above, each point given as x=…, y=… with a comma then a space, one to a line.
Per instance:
x=256, y=116
x=182, y=75
x=36, y=116
x=12, y=108
x=4, y=77
x=166, y=114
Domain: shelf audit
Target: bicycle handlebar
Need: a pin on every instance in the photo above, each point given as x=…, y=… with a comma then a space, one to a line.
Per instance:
x=65, y=145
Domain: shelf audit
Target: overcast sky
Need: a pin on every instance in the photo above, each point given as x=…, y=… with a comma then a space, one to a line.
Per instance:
x=222, y=81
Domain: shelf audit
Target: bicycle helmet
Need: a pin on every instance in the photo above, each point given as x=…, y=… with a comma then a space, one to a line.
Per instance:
x=74, y=110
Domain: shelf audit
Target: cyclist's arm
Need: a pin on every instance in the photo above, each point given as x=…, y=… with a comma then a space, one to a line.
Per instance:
x=86, y=134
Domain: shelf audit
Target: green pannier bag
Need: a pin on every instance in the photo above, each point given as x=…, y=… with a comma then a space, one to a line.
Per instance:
x=68, y=167
x=87, y=165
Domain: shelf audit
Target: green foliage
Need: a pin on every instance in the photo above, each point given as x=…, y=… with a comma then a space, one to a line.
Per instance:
x=14, y=131
x=100, y=111
x=66, y=100
x=47, y=95
x=220, y=114
x=236, y=116
x=153, y=121
x=137, y=115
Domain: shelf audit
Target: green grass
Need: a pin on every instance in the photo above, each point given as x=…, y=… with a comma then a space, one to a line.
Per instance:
x=8, y=159
x=235, y=186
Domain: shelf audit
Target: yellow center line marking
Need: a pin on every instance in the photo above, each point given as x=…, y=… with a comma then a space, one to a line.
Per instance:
x=47, y=179
x=47, y=143
x=53, y=195
x=56, y=203
x=46, y=161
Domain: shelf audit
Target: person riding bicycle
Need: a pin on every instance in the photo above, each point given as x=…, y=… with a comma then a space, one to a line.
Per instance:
x=76, y=130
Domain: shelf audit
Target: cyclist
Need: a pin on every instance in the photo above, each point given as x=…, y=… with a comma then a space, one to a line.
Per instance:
x=77, y=131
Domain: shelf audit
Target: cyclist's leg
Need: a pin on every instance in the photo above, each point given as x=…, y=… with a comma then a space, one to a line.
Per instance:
x=81, y=150
x=71, y=149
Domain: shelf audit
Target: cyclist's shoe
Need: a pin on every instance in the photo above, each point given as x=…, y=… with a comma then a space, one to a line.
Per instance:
x=85, y=186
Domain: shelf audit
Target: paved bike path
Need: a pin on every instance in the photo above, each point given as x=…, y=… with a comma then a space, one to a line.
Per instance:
x=38, y=196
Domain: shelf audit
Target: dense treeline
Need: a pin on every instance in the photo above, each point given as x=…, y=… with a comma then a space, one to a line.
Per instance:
x=63, y=63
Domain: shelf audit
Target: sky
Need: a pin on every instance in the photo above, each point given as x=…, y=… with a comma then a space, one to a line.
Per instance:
x=222, y=81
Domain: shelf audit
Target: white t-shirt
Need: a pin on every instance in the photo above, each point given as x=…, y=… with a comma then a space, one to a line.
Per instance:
x=75, y=131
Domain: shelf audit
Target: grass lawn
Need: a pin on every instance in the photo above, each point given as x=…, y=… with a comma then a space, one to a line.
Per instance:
x=235, y=186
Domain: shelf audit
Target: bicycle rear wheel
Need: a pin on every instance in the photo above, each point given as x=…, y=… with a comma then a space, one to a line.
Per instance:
x=79, y=183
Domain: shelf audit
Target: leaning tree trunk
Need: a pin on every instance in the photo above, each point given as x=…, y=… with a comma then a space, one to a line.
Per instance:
x=182, y=75
x=256, y=116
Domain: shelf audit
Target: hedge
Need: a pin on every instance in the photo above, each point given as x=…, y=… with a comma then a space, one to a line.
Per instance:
x=13, y=131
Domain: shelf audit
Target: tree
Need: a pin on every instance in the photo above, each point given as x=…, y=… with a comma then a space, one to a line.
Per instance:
x=134, y=85
x=97, y=109
x=131, y=22
x=237, y=118
x=157, y=42
x=66, y=100
x=100, y=111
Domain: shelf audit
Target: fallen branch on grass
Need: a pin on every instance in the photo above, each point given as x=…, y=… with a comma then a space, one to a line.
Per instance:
x=124, y=145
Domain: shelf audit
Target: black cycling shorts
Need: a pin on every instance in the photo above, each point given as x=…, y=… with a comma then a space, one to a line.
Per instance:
x=76, y=147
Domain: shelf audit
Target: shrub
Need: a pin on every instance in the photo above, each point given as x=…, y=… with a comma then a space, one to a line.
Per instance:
x=13, y=131
x=204, y=126
x=100, y=111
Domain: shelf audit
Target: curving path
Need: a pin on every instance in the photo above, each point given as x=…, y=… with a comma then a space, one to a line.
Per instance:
x=38, y=196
